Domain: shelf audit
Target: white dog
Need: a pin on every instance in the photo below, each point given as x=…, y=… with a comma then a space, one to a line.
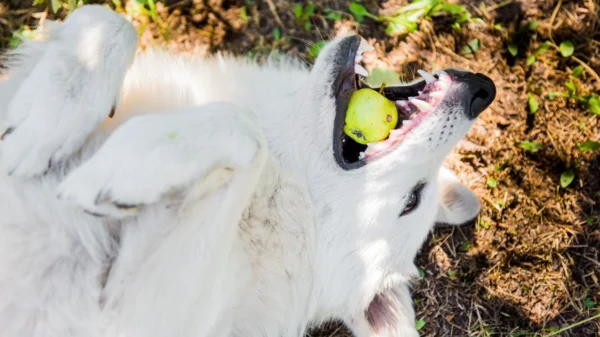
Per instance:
x=232, y=205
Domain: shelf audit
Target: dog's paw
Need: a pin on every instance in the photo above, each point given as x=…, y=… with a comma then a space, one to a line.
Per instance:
x=71, y=89
x=153, y=155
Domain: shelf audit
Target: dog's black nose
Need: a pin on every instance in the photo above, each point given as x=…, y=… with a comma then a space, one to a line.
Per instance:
x=480, y=90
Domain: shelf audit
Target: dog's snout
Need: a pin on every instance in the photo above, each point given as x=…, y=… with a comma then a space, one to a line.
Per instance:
x=480, y=90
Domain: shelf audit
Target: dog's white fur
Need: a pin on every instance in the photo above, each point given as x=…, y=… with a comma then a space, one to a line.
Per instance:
x=223, y=210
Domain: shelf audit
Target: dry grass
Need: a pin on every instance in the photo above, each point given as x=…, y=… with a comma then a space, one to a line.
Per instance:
x=530, y=264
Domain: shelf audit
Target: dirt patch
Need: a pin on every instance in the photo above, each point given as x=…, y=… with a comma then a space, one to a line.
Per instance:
x=529, y=265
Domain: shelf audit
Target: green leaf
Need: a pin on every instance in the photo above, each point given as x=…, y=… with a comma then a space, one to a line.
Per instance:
x=542, y=48
x=421, y=272
x=532, y=25
x=14, y=42
x=72, y=4
x=532, y=103
x=465, y=246
x=244, y=14
x=419, y=324
x=400, y=25
x=588, y=145
x=552, y=95
x=359, y=11
x=452, y=274
x=589, y=303
x=276, y=33
x=55, y=5
x=530, y=60
x=419, y=5
x=484, y=224
x=593, y=103
x=313, y=52
x=566, y=48
x=590, y=221
x=513, y=49
x=566, y=178
x=530, y=147
x=491, y=182
x=298, y=11
x=577, y=71
x=571, y=88
x=471, y=47
x=38, y=2
x=333, y=15
x=450, y=8
x=309, y=10
x=380, y=75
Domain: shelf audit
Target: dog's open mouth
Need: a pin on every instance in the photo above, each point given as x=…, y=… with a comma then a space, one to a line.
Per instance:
x=414, y=103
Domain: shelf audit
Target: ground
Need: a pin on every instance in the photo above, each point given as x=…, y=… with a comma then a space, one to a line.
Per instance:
x=529, y=265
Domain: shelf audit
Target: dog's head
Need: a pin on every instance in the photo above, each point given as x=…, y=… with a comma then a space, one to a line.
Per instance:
x=376, y=203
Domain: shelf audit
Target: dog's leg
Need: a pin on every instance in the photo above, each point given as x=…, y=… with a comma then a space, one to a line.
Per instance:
x=185, y=282
x=62, y=88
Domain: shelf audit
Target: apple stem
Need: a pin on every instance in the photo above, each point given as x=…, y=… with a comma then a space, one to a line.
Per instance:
x=381, y=89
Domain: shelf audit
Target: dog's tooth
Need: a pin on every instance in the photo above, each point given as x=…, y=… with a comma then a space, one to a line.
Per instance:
x=395, y=132
x=377, y=147
x=426, y=76
x=358, y=58
x=360, y=70
x=364, y=45
x=401, y=102
x=421, y=105
x=442, y=73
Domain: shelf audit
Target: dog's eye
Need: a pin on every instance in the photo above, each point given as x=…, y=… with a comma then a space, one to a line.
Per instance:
x=414, y=199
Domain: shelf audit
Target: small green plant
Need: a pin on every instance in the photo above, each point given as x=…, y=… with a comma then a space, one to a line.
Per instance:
x=530, y=147
x=419, y=324
x=332, y=14
x=566, y=178
x=406, y=20
x=303, y=14
x=57, y=5
x=566, y=48
x=276, y=34
x=491, y=182
x=360, y=12
x=588, y=145
x=244, y=14
x=23, y=33
x=465, y=246
x=513, y=41
x=471, y=47
x=314, y=50
x=577, y=71
x=532, y=103
x=589, y=304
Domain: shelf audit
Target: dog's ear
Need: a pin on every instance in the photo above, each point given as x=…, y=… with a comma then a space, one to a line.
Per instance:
x=458, y=204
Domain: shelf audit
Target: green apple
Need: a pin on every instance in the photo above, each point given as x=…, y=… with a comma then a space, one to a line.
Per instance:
x=370, y=116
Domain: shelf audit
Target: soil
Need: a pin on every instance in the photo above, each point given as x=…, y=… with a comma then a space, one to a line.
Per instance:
x=529, y=265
